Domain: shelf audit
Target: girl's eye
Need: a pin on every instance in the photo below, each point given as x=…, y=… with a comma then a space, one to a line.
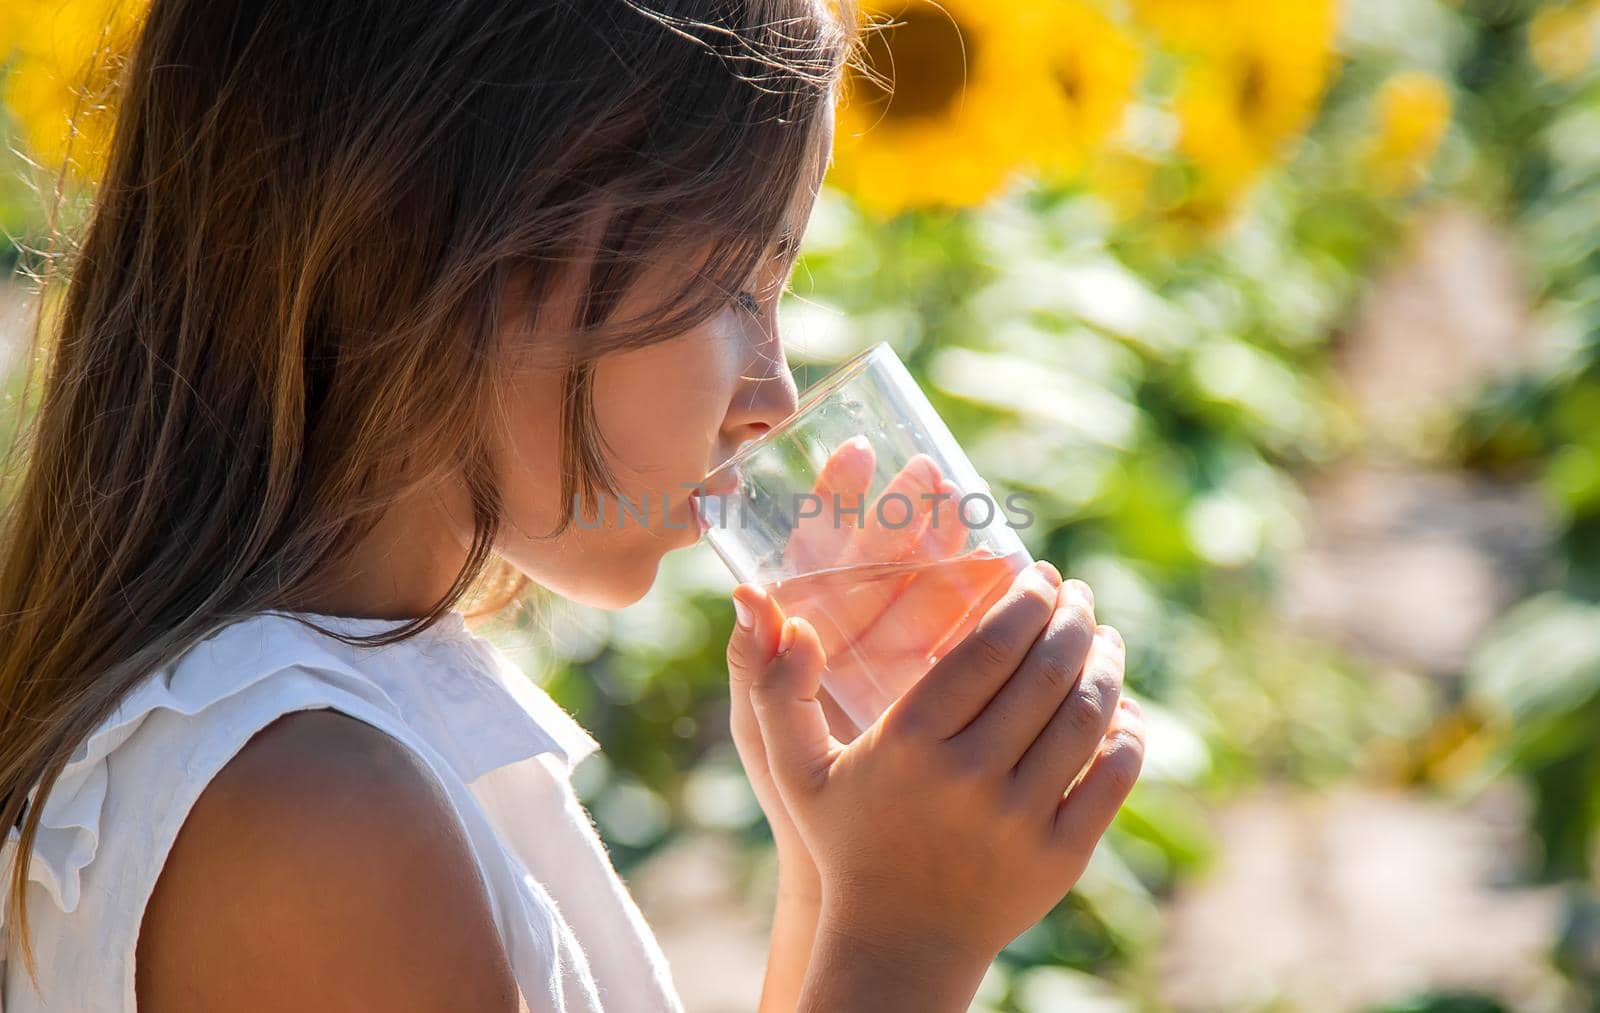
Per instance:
x=749, y=303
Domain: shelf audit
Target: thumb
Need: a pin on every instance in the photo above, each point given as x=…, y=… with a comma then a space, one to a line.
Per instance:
x=755, y=635
x=783, y=690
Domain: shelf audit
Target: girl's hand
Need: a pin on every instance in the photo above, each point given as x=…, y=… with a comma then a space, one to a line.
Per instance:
x=971, y=807
x=799, y=898
x=820, y=542
x=919, y=611
x=879, y=629
x=750, y=649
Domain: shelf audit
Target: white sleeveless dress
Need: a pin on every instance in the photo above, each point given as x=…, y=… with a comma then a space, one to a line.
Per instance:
x=499, y=746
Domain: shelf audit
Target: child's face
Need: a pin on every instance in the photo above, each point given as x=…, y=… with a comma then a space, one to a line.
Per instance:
x=669, y=413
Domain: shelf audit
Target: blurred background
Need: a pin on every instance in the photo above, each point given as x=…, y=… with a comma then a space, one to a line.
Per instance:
x=1286, y=315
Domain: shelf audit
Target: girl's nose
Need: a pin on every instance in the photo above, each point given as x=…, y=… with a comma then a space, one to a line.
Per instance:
x=767, y=395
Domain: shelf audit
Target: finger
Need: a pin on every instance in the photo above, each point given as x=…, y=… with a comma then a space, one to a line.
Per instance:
x=919, y=603
x=942, y=532
x=848, y=617
x=982, y=579
x=934, y=612
x=1084, y=814
x=841, y=484
x=957, y=688
x=851, y=697
x=872, y=660
x=892, y=530
x=794, y=727
x=1075, y=730
x=1046, y=680
x=751, y=647
x=832, y=603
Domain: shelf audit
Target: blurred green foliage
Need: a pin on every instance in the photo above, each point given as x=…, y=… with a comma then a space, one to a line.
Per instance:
x=1537, y=675
x=1158, y=394
x=1158, y=399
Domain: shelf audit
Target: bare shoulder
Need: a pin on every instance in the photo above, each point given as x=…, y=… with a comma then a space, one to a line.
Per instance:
x=321, y=868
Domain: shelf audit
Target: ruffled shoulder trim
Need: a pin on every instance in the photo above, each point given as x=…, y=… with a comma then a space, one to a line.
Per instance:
x=572, y=741
x=497, y=717
x=497, y=708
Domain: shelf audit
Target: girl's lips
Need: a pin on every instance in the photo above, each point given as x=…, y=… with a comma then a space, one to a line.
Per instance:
x=700, y=523
x=712, y=485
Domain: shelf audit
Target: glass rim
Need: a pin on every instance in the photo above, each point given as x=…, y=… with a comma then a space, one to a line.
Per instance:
x=810, y=398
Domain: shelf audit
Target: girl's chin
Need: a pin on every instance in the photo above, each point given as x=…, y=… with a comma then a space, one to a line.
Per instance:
x=616, y=593
x=632, y=576
x=620, y=571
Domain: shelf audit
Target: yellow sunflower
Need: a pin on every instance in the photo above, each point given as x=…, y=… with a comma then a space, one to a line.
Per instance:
x=938, y=108
x=10, y=24
x=62, y=86
x=1186, y=24
x=1413, y=112
x=1093, y=69
x=1561, y=39
x=1253, y=83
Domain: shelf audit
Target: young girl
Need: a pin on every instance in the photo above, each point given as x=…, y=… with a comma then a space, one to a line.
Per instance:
x=375, y=300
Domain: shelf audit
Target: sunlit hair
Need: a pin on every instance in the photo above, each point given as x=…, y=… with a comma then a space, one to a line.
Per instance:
x=281, y=314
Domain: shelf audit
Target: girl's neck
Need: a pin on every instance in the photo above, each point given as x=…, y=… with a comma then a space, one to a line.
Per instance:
x=407, y=562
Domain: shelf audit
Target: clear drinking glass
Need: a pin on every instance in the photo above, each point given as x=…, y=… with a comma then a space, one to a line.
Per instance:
x=861, y=513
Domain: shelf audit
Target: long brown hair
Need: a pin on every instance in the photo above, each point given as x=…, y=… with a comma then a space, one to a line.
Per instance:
x=280, y=312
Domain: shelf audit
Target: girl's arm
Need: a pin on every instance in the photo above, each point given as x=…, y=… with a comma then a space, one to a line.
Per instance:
x=871, y=972
x=322, y=869
x=794, y=930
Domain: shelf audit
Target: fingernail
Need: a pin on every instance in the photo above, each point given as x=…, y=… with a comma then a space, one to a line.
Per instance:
x=1110, y=635
x=1079, y=590
x=1051, y=574
x=786, y=637
x=743, y=614
x=1131, y=705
